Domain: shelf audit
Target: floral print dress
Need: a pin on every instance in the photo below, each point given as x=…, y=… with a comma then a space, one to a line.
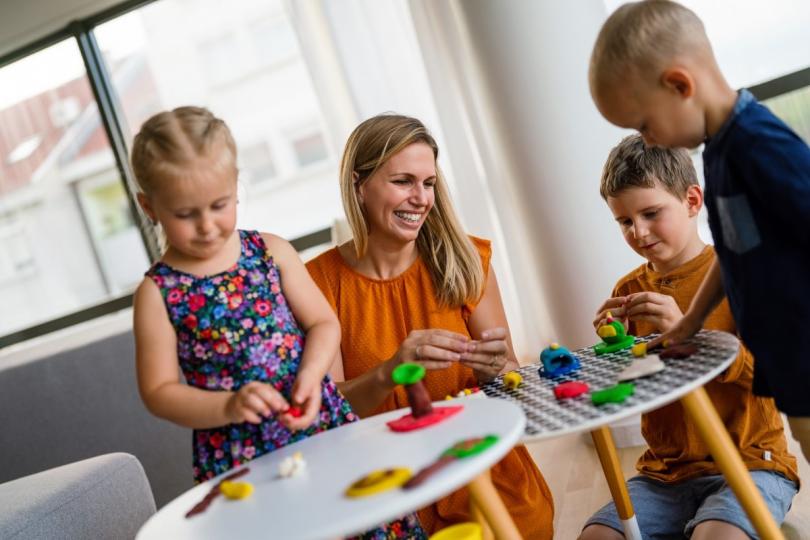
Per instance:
x=236, y=327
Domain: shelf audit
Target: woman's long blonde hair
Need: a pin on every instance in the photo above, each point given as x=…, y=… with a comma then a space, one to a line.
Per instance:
x=451, y=258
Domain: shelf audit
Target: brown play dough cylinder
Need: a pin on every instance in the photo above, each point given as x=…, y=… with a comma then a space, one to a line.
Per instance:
x=419, y=399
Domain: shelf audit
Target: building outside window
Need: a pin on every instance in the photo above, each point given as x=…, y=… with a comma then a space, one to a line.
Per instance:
x=56, y=256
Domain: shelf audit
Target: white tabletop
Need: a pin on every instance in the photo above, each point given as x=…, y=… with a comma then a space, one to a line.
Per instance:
x=313, y=505
x=549, y=417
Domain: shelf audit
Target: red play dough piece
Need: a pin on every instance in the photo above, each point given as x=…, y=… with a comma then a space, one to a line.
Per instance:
x=409, y=423
x=570, y=389
x=295, y=412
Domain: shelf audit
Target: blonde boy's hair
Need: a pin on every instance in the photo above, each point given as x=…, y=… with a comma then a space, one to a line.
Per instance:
x=641, y=38
x=170, y=141
x=632, y=164
x=452, y=260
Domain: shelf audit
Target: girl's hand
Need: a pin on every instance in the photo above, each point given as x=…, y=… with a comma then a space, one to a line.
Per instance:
x=434, y=349
x=660, y=310
x=306, y=397
x=488, y=356
x=254, y=401
x=616, y=308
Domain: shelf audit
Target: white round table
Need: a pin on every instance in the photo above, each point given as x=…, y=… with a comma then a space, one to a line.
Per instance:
x=313, y=505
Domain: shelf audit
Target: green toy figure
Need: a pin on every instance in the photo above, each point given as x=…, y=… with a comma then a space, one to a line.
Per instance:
x=614, y=337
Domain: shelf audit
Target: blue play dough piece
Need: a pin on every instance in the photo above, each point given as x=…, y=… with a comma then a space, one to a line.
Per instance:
x=557, y=362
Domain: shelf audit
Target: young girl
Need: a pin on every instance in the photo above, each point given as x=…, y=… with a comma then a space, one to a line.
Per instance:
x=216, y=303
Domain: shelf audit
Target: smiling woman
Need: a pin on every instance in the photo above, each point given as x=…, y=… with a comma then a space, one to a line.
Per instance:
x=413, y=287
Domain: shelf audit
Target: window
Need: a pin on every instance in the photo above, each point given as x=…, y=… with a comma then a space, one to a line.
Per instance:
x=274, y=40
x=222, y=59
x=242, y=61
x=309, y=148
x=16, y=257
x=257, y=165
x=55, y=249
x=794, y=109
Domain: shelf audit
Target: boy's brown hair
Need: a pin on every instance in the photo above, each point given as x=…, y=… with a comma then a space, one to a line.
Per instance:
x=641, y=37
x=632, y=164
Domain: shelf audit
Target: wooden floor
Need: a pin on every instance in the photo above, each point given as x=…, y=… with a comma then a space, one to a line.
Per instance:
x=572, y=471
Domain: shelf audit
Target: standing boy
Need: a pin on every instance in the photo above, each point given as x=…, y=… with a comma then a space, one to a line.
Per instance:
x=652, y=69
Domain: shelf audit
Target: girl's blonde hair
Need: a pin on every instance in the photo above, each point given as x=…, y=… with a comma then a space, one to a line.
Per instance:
x=170, y=141
x=450, y=256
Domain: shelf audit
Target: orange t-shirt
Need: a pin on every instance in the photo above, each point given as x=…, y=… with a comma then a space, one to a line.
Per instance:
x=676, y=451
x=375, y=318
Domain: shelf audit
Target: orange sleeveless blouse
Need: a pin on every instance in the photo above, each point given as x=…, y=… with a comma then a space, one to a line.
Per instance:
x=375, y=317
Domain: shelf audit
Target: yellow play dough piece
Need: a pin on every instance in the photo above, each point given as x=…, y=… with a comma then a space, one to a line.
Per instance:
x=462, y=531
x=606, y=331
x=639, y=349
x=236, y=490
x=379, y=481
x=512, y=380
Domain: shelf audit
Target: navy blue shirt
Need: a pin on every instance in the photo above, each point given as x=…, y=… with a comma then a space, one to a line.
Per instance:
x=758, y=197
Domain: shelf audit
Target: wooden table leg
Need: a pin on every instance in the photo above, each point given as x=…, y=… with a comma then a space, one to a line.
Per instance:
x=714, y=434
x=486, y=499
x=478, y=517
x=603, y=441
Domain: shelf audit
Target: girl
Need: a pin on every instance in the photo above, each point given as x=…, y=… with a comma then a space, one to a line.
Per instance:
x=216, y=303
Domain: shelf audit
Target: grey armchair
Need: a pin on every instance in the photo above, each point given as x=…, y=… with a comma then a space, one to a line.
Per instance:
x=102, y=497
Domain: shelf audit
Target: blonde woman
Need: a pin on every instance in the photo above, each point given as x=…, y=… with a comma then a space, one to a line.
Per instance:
x=413, y=287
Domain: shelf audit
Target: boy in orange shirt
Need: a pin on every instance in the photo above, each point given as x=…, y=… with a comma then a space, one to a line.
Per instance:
x=655, y=198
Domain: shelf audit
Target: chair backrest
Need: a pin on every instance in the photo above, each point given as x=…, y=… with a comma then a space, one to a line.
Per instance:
x=82, y=403
x=102, y=497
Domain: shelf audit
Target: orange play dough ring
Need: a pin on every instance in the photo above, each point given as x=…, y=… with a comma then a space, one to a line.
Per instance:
x=379, y=481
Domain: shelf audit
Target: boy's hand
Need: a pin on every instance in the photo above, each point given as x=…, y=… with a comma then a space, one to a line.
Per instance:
x=615, y=306
x=684, y=329
x=306, y=397
x=660, y=310
x=253, y=401
x=488, y=356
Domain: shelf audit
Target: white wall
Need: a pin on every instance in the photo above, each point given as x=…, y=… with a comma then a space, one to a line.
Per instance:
x=523, y=69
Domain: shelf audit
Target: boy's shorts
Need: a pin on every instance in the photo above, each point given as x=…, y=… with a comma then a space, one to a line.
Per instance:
x=674, y=510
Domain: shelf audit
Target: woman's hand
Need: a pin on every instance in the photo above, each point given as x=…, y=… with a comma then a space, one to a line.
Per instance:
x=254, y=401
x=434, y=349
x=306, y=396
x=487, y=356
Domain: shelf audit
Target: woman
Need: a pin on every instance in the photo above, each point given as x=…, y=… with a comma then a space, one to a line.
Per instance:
x=412, y=287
